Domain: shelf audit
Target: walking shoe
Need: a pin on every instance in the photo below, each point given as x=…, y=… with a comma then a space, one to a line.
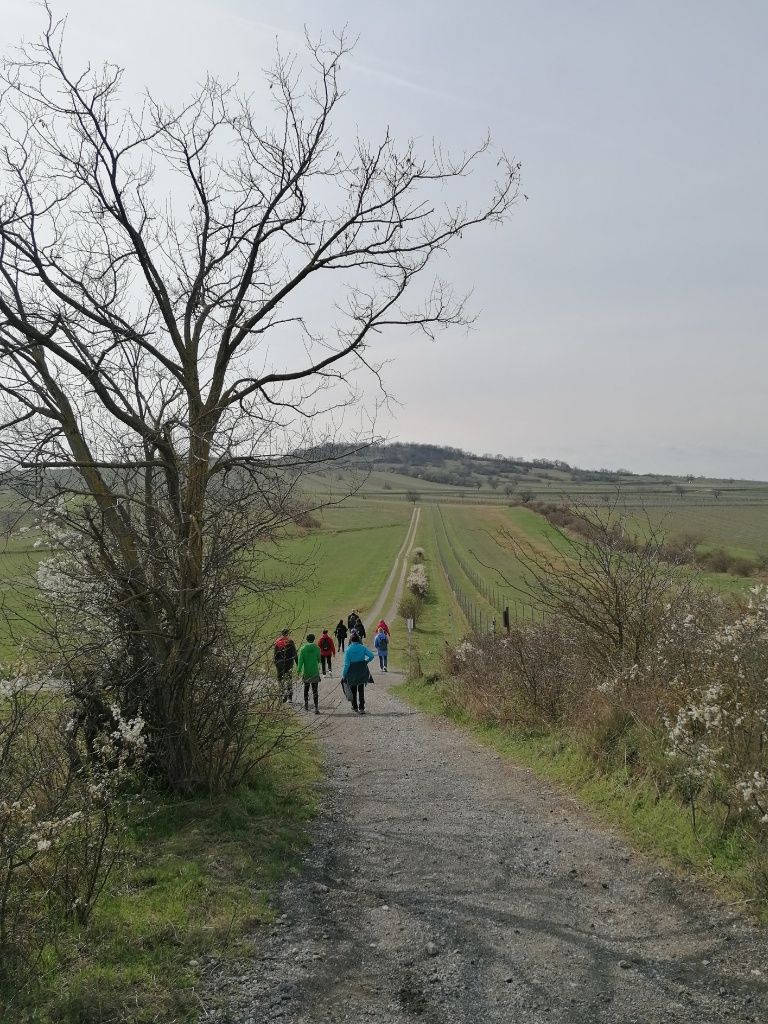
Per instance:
x=306, y=706
x=317, y=711
x=354, y=709
x=362, y=711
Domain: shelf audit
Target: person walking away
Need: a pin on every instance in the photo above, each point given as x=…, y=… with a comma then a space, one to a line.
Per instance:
x=356, y=670
x=356, y=623
x=381, y=643
x=383, y=628
x=327, y=651
x=309, y=670
x=341, y=634
x=285, y=658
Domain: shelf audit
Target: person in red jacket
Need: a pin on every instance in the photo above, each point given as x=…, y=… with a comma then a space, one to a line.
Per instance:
x=383, y=628
x=327, y=651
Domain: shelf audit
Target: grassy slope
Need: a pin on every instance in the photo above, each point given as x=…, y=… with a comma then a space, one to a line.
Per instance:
x=478, y=535
x=343, y=566
x=197, y=879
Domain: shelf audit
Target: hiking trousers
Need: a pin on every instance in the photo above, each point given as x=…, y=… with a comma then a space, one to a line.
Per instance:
x=325, y=662
x=314, y=684
x=285, y=679
x=358, y=696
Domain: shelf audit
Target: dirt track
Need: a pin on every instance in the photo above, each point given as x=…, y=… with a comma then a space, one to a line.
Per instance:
x=446, y=885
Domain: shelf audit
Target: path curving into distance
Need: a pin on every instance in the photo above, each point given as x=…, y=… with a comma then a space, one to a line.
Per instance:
x=445, y=885
x=386, y=601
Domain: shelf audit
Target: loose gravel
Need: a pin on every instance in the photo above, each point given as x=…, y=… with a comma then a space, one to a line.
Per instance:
x=444, y=884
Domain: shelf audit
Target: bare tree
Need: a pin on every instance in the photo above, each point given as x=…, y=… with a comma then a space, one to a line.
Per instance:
x=161, y=377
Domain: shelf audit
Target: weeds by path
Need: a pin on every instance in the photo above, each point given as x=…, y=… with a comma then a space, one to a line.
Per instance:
x=199, y=876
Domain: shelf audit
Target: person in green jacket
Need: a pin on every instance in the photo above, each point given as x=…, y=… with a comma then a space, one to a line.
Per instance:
x=309, y=670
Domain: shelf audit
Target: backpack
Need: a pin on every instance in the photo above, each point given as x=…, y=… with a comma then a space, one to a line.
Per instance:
x=382, y=641
x=325, y=644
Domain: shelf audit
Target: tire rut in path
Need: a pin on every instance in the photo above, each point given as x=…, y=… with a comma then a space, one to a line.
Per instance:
x=444, y=884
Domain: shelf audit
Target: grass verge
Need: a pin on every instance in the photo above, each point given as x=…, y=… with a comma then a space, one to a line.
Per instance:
x=655, y=822
x=198, y=878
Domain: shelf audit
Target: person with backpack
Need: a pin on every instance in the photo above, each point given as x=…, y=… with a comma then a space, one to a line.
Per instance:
x=341, y=634
x=383, y=628
x=354, y=622
x=327, y=651
x=285, y=658
x=381, y=643
x=309, y=670
x=356, y=672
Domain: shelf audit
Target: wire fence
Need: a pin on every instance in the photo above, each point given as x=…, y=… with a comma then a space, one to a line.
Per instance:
x=482, y=620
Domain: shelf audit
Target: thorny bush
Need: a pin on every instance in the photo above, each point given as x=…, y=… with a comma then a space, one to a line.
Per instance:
x=699, y=695
x=417, y=581
x=64, y=795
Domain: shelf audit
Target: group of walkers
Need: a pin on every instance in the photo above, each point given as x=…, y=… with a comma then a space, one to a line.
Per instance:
x=315, y=659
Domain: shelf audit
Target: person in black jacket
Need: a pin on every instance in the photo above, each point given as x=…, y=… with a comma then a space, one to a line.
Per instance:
x=286, y=656
x=341, y=634
x=355, y=624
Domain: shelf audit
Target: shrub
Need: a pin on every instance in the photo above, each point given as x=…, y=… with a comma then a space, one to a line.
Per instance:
x=742, y=566
x=418, y=554
x=306, y=521
x=719, y=732
x=64, y=791
x=417, y=581
x=410, y=607
x=525, y=679
x=717, y=560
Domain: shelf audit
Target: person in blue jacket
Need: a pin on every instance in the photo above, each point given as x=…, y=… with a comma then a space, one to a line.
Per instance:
x=381, y=643
x=356, y=673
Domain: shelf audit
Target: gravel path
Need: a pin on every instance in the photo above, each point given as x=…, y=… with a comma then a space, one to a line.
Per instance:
x=445, y=885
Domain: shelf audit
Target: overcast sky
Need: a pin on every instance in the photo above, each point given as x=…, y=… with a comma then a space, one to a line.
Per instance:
x=623, y=309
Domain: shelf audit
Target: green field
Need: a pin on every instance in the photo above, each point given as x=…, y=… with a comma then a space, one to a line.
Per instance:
x=342, y=565
x=322, y=573
x=330, y=570
x=741, y=530
x=18, y=562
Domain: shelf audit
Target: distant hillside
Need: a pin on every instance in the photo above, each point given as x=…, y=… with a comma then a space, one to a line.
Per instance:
x=453, y=467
